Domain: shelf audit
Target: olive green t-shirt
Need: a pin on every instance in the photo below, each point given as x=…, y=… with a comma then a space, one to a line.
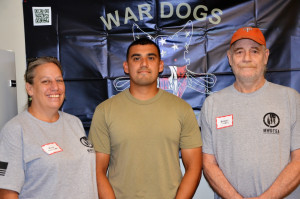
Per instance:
x=143, y=139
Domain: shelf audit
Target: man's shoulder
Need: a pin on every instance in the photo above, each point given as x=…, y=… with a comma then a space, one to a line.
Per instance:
x=113, y=99
x=282, y=88
x=285, y=92
x=168, y=94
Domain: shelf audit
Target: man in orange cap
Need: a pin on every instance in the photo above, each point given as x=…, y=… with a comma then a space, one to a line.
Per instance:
x=251, y=129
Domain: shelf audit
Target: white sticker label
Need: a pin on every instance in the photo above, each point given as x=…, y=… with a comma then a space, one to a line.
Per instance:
x=224, y=121
x=51, y=148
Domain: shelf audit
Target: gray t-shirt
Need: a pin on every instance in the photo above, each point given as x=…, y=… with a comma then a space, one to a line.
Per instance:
x=252, y=135
x=47, y=160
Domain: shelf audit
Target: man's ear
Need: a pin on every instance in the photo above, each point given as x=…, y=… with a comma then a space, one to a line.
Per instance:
x=125, y=67
x=161, y=66
x=29, y=89
x=229, y=57
x=267, y=53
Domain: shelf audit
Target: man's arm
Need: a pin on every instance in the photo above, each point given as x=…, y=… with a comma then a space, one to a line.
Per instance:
x=105, y=190
x=287, y=181
x=192, y=161
x=216, y=178
x=8, y=194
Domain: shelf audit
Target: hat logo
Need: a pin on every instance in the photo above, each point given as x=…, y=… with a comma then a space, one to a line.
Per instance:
x=247, y=29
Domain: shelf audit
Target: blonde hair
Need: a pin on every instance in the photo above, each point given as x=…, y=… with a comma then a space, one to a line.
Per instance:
x=33, y=63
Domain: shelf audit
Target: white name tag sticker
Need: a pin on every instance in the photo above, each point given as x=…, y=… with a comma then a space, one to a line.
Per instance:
x=224, y=121
x=51, y=148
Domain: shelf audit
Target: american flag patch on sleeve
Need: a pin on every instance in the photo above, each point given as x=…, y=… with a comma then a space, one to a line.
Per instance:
x=3, y=167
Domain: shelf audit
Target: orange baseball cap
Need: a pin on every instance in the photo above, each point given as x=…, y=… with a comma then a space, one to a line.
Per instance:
x=249, y=33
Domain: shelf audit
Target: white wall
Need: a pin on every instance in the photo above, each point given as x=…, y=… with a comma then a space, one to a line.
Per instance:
x=12, y=38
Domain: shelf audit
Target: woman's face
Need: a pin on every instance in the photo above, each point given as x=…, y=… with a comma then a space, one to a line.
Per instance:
x=48, y=88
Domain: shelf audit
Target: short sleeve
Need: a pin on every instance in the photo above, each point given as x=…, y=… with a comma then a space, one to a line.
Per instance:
x=99, y=132
x=206, y=129
x=11, y=157
x=190, y=134
x=295, y=137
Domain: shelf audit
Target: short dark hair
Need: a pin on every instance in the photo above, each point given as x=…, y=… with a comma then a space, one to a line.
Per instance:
x=143, y=41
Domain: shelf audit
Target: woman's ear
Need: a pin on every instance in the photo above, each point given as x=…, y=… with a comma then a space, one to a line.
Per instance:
x=29, y=89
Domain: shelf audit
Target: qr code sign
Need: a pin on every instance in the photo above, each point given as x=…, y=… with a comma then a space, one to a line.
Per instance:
x=41, y=16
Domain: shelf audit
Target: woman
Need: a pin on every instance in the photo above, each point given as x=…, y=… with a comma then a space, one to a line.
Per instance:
x=44, y=153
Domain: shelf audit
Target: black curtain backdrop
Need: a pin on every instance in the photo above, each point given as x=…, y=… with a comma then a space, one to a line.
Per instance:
x=90, y=39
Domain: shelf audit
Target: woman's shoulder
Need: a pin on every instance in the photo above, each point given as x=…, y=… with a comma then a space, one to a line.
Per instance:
x=68, y=116
x=14, y=124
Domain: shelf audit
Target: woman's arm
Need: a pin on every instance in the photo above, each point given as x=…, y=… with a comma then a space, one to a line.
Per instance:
x=8, y=194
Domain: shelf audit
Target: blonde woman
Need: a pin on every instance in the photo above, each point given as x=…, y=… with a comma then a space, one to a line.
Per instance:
x=44, y=152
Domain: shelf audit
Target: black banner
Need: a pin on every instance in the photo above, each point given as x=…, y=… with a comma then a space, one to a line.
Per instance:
x=90, y=39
